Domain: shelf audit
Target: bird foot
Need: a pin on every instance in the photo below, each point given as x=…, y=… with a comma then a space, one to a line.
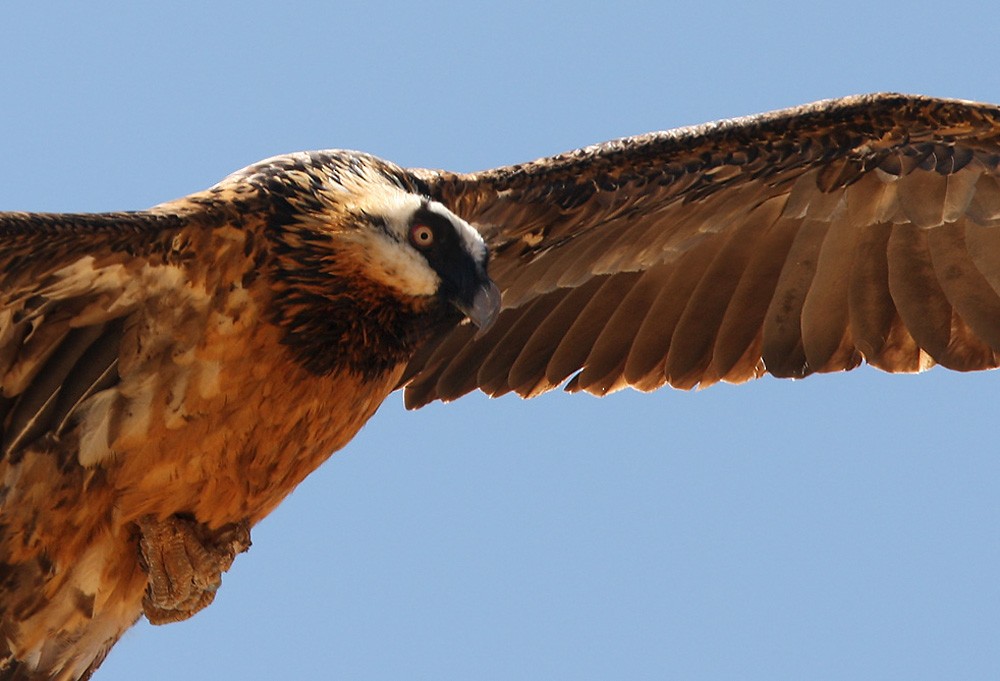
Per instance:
x=185, y=561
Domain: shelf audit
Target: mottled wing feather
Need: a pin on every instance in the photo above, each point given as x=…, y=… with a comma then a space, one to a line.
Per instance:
x=801, y=241
x=61, y=316
x=83, y=363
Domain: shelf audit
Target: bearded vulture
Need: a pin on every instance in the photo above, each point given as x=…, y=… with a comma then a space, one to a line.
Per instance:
x=168, y=376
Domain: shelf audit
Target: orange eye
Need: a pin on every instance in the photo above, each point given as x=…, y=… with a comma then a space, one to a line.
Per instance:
x=421, y=236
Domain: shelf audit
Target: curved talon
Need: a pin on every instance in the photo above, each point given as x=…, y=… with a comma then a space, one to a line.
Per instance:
x=185, y=561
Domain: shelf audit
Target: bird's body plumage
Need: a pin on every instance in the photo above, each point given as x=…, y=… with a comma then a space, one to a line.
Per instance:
x=227, y=387
x=177, y=372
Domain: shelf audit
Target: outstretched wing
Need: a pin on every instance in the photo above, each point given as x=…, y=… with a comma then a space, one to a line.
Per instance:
x=794, y=242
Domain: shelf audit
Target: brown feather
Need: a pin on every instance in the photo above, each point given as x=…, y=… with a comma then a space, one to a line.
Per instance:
x=971, y=295
x=826, y=335
x=922, y=197
x=983, y=245
x=782, y=350
x=917, y=294
x=984, y=208
x=871, y=310
x=36, y=410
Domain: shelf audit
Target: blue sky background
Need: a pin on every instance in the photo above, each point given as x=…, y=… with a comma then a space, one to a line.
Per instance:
x=841, y=527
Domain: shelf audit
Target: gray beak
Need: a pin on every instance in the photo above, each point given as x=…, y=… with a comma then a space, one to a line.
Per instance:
x=485, y=305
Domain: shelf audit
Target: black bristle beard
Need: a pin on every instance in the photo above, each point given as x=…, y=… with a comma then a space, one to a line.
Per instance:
x=356, y=326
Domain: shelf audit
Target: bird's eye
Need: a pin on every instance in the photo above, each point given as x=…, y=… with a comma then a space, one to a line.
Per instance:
x=421, y=236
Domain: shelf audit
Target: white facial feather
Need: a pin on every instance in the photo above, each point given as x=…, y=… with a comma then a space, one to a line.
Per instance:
x=388, y=255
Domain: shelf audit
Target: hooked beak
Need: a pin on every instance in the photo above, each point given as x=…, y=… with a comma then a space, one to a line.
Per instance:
x=485, y=305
